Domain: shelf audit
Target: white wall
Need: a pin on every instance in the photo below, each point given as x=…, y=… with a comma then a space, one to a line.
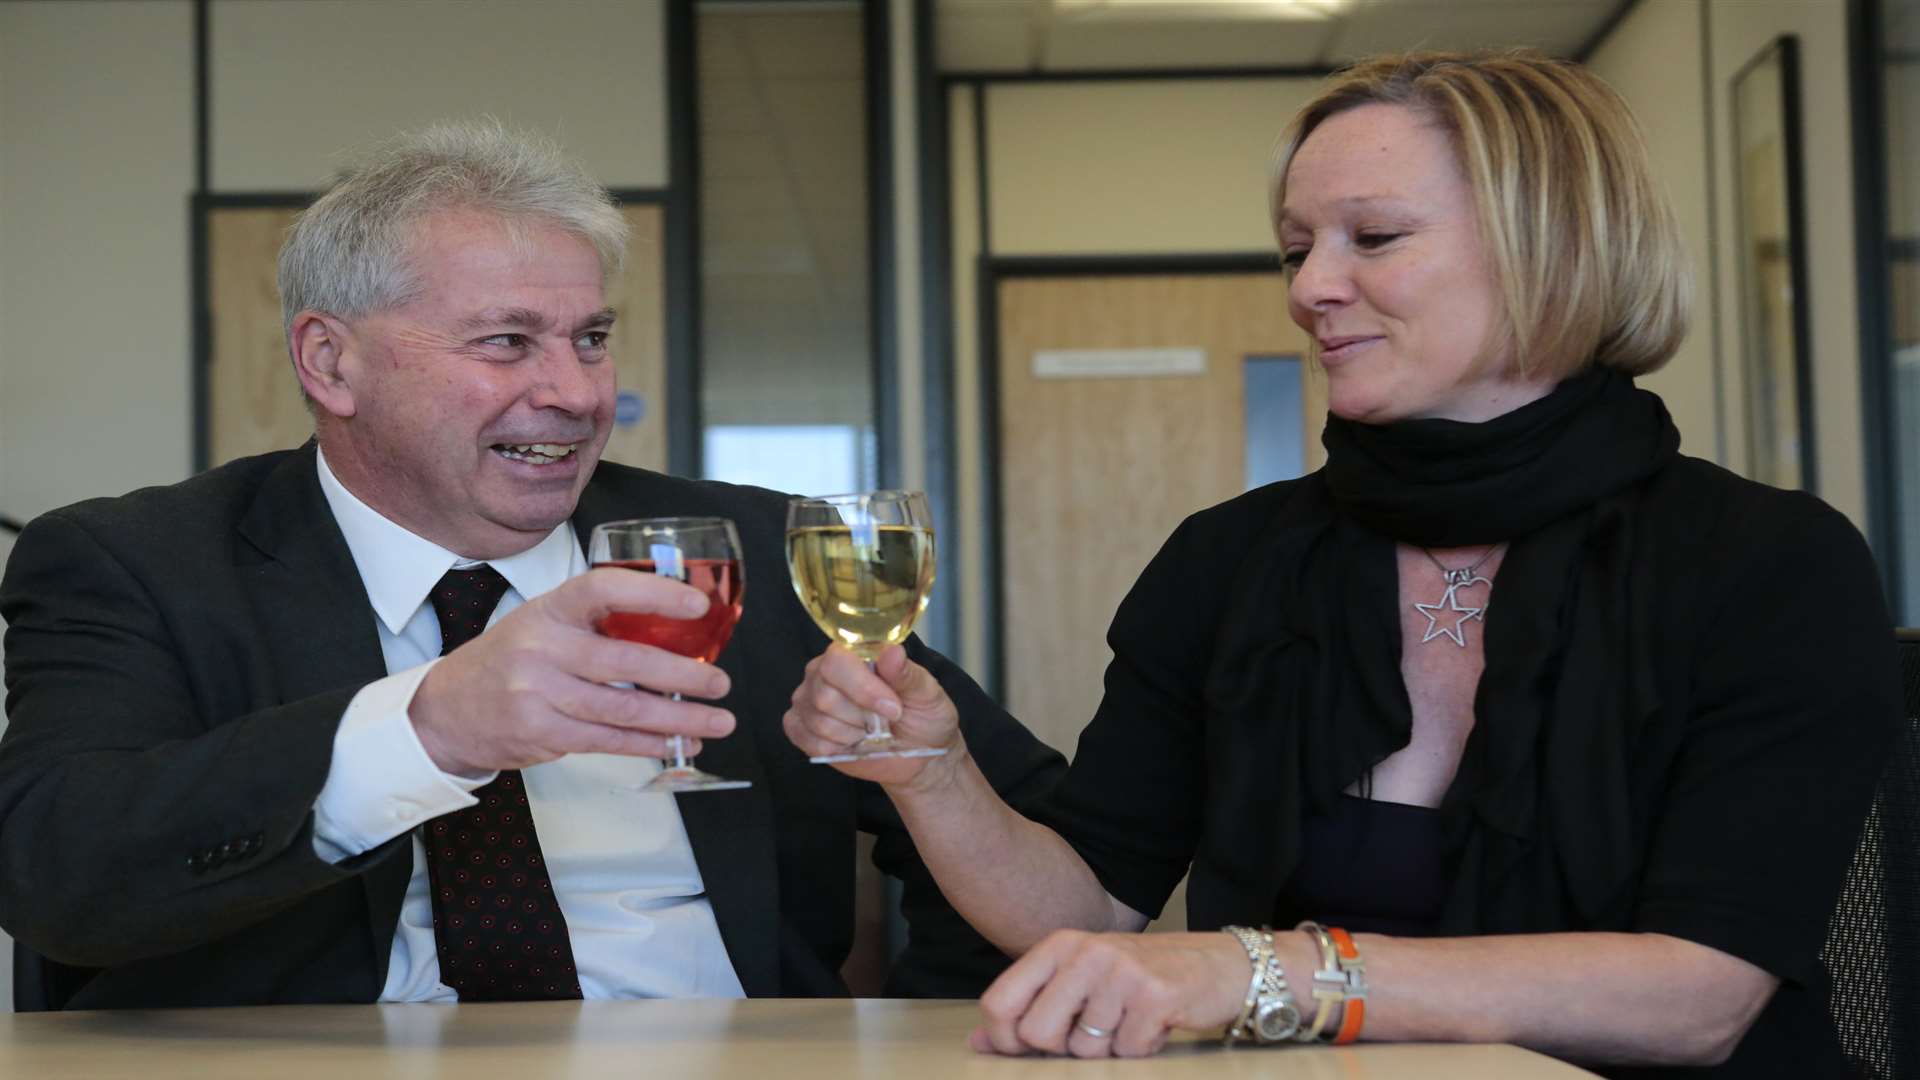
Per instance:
x=1132, y=167
x=1738, y=30
x=96, y=164
x=1654, y=59
x=295, y=82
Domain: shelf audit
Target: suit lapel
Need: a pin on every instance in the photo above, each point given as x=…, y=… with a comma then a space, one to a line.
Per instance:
x=319, y=630
x=320, y=625
x=731, y=831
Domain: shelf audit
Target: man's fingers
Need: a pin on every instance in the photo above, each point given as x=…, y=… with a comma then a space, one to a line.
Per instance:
x=638, y=710
x=608, y=660
x=583, y=601
x=601, y=739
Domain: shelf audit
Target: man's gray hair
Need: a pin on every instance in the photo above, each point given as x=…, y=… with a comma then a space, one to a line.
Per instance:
x=349, y=253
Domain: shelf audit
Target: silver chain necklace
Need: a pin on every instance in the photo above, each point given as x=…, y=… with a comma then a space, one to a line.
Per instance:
x=1448, y=608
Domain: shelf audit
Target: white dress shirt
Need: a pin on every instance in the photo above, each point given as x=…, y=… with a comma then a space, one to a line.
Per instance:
x=622, y=868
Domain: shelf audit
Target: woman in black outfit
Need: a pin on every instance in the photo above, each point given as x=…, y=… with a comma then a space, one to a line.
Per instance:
x=1559, y=737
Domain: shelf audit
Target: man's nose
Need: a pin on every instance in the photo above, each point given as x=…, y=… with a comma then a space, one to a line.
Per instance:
x=565, y=381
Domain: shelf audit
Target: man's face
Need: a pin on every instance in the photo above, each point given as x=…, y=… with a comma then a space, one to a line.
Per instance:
x=480, y=409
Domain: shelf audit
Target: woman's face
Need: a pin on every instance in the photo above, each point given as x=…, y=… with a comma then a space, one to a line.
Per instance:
x=1389, y=273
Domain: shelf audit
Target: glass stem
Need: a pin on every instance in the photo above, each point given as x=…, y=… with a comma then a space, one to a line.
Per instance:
x=877, y=730
x=679, y=743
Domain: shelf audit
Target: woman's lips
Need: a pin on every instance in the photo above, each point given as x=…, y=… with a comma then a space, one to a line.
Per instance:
x=1334, y=350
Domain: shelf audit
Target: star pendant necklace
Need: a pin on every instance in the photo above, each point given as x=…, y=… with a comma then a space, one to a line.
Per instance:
x=1448, y=608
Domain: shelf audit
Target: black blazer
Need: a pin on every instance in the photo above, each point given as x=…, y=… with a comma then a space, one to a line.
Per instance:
x=177, y=660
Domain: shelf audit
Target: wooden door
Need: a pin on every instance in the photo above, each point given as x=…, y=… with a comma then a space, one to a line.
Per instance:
x=1096, y=472
x=254, y=402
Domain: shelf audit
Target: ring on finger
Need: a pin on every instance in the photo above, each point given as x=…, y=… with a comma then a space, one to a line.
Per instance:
x=1089, y=1030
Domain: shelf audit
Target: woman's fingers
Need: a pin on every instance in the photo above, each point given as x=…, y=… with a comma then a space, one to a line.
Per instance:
x=1048, y=1023
x=1006, y=1002
x=1099, y=995
x=1097, y=1027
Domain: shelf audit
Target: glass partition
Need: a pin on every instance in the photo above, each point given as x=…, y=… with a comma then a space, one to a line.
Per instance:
x=1898, y=66
x=786, y=368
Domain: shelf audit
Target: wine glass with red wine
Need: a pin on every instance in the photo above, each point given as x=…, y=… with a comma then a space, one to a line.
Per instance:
x=704, y=553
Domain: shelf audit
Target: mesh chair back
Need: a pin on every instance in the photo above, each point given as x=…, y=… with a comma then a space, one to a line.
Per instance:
x=1872, y=951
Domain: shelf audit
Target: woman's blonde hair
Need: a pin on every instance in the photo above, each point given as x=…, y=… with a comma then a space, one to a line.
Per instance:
x=1584, y=245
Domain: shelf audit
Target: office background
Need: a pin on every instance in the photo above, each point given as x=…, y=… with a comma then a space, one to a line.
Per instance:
x=844, y=188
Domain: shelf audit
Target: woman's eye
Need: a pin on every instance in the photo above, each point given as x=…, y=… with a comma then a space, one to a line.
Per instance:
x=1376, y=239
x=1293, y=258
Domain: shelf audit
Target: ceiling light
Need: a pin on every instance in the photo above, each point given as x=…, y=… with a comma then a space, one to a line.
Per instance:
x=1200, y=10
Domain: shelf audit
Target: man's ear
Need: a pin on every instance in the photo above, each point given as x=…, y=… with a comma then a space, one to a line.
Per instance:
x=324, y=355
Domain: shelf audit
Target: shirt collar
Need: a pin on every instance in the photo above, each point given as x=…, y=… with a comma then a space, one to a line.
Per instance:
x=399, y=568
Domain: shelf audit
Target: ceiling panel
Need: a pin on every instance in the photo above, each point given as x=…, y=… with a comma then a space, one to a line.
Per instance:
x=1051, y=36
x=1088, y=44
x=995, y=37
x=1559, y=27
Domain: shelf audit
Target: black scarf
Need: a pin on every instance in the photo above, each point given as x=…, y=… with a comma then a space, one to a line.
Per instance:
x=1540, y=818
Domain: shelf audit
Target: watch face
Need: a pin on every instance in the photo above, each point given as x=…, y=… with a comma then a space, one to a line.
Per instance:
x=1276, y=1021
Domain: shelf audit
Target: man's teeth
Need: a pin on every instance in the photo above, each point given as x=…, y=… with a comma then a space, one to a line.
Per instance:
x=535, y=453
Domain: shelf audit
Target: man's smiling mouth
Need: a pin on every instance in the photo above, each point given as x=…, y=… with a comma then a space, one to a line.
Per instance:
x=535, y=453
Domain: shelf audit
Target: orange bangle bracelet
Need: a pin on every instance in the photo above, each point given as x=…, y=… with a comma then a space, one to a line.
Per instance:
x=1355, y=1013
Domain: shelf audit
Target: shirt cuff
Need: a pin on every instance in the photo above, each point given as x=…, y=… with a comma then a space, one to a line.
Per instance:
x=381, y=782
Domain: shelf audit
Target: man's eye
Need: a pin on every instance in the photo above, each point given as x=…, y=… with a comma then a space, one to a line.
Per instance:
x=506, y=341
x=593, y=340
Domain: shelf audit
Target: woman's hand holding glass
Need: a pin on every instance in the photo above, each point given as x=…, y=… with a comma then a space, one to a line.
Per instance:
x=863, y=566
x=831, y=705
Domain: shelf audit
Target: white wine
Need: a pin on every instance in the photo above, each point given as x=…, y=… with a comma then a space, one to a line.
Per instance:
x=864, y=587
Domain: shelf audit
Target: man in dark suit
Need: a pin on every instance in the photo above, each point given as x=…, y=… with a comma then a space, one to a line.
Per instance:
x=276, y=732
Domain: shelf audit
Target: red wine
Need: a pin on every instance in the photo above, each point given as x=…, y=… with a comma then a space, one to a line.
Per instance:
x=700, y=638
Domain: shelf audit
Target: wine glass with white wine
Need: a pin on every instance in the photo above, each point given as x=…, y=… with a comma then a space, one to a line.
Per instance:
x=863, y=568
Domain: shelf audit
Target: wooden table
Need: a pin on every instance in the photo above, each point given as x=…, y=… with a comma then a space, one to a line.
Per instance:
x=658, y=1040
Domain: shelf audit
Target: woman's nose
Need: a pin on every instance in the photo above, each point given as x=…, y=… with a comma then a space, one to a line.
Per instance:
x=1319, y=281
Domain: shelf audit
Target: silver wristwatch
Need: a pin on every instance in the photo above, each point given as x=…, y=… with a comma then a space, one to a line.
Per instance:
x=1269, y=1014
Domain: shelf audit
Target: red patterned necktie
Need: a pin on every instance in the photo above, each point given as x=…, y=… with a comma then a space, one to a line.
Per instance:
x=499, y=929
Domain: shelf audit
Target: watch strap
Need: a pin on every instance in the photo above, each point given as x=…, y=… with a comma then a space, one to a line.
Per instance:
x=1266, y=989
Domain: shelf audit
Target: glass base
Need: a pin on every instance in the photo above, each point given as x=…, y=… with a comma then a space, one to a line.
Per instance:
x=672, y=781
x=870, y=748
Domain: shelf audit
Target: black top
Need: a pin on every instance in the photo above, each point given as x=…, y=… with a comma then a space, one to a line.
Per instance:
x=1769, y=702
x=1371, y=867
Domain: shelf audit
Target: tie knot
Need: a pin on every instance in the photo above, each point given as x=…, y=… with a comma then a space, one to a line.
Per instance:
x=463, y=600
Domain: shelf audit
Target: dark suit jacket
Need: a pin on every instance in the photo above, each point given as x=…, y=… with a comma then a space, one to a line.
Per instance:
x=177, y=660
